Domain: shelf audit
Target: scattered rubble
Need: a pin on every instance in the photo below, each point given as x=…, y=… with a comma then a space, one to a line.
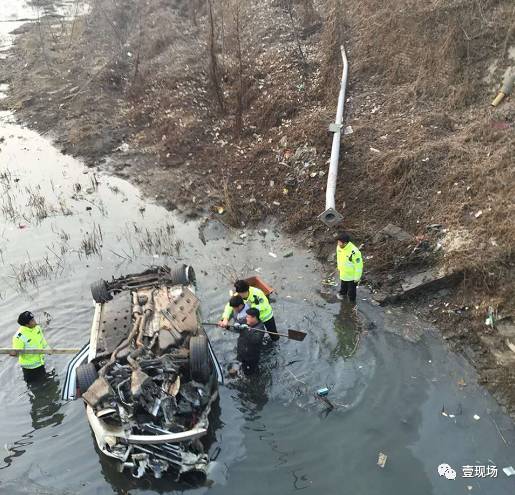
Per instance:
x=428, y=280
x=393, y=232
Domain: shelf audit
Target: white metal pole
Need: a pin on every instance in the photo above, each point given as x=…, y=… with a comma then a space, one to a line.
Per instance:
x=331, y=216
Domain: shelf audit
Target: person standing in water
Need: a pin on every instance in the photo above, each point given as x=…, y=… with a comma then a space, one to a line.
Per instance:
x=350, y=267
x=30, y=336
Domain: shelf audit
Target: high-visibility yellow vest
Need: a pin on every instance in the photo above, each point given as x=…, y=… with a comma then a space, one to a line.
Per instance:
x=30, y=338
x=256, y=299
x=350, y=262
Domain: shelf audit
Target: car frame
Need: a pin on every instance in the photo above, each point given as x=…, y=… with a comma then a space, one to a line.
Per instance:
x=157, y=449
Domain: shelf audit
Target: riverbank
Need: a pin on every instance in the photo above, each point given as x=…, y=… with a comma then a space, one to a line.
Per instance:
x=228, y=118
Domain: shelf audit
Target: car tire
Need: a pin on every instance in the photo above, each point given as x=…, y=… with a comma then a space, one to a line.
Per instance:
x=200, y=364
x=182, y=275
x=100, y=291
x=86, y=375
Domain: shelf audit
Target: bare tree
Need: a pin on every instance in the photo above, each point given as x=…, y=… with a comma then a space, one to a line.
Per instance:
x=239, y=56
x=295, y=30
x=214, y=70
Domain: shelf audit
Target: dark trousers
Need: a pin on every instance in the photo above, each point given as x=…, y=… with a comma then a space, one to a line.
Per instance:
x=34, y=375
x=348, y=288
x=271, y=328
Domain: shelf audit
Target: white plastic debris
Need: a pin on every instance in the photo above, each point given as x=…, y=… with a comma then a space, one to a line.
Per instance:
x=375, y=150
x=348, y=130
x=509, y=471
x=476, y=417
x=381, y=460
x=478, y=214
x=273, y=255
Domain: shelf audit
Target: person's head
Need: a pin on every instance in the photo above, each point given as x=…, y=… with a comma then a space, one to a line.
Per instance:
x=236, y=303
x=27, y=319
x=343, y=239
x=242, y=288
x=252, y=317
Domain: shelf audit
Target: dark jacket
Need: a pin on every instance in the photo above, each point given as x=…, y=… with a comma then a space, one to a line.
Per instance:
x=249, y=343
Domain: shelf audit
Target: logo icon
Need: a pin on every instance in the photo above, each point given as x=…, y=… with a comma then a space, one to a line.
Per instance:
x=447, y=471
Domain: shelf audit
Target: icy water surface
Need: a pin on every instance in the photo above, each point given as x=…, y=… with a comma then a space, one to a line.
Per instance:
x=62, y=226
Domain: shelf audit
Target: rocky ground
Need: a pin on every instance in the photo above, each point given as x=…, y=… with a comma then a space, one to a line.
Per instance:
x=221, y=107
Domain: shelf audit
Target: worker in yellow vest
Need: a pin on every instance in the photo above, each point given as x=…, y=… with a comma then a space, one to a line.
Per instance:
x=350, y=267
x=30, y=336
x=253, y=298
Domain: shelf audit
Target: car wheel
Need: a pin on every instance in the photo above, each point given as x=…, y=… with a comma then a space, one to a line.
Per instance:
x=200, y=364
x=86, y=375
x=100, y=291
x=182, y=275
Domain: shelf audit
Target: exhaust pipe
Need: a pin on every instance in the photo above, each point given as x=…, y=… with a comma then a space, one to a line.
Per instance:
x=330, y=216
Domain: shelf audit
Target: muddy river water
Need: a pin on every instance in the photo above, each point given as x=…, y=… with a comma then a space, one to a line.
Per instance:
x=395, y=386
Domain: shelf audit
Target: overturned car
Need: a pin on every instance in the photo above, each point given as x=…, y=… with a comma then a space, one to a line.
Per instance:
x=148, y=375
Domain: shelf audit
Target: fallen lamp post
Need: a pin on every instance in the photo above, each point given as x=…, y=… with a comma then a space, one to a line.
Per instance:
x=330, y=216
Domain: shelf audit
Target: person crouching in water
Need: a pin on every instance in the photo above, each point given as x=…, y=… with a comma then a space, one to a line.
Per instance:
x=255, y=298
x=239, y=310
x=250, y=341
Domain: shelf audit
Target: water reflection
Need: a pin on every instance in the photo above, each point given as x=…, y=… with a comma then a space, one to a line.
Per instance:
x=251, y=391
x=45, y=411
x=44, y=401
x=347, y=329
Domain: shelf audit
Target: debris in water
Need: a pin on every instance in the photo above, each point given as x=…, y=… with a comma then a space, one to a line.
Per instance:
x=381, y=461
x=89, y=208
x=242, y=236
x=461, y=383
x=509, y=471
x=323, y=392
x=273, y=255
x=476, y=417
x=289, y=254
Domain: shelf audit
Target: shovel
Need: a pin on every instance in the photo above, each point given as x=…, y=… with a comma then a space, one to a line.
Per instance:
x=292, y=334
x=7, y=350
